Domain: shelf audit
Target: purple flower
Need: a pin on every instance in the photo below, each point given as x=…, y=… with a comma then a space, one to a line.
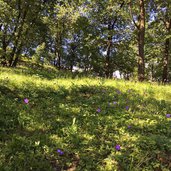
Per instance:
x=127, y=107
x=114, y=102
x=26, y=101
x=60, y=152
x=98, y=110
x=168, y=115
x=129, y=126
x=118, y=147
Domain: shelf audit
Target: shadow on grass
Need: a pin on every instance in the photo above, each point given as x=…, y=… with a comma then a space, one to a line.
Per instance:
x=86, y=123
x=41, y=71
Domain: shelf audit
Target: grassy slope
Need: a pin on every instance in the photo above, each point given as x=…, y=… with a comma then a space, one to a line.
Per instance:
x=62, y=114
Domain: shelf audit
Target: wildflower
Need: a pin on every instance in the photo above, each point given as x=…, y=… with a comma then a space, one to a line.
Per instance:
x=168, y=115
x=127, y=107
x=114, y=102
x=118, y=147
x=129, y=126
x=98, y=110
x=26, y=101
x=60, y=152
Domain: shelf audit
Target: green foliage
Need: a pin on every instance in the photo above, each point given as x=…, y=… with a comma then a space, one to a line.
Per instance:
x=78, y=33
x=85, y=118
x=40, y=52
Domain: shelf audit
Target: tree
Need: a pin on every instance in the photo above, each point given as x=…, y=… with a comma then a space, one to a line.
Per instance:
x=162, y=21
x=167, y=24
x=139, y=23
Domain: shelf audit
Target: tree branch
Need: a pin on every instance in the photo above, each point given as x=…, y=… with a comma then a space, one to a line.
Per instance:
x=116, y=17
x=131, y=14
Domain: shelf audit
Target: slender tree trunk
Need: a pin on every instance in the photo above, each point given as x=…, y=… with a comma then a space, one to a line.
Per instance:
x=108, y=50
x=72, y=57
x=111, y=24
x=12, y=56
x=141, y=34
x=4, y=46
x=59, y=61
x=107, y=62
x=166, y=61
x=166, y=52
x=55, y=58
x=6, y=42
x=71, y=67
x=152, y=72
x=17, y=39
x=58, y=47
x=59, y=51
x=14, y=64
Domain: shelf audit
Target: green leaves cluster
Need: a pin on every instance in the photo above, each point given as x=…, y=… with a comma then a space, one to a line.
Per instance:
x=96, y=36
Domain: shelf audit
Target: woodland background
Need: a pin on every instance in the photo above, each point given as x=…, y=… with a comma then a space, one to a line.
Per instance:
x=97, y=36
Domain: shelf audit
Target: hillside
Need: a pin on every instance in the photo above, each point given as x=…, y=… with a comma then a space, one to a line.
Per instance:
x=51, y=120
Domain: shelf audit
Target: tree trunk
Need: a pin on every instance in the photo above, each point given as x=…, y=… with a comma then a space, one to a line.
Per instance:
x=12, y=56
x=166, y=61
x=166, y=52
x=17, y=39
x=14, y=64
x=152, y=72
x=73, y=56
x=55, y=62
x=6, y=42
x=71, y=67
x=141, y=34
x=107, y=62
x=109, y=44
x=0, y=27
x=58, y=47
x=59, y=61
x=111, y=24
x=4, y=46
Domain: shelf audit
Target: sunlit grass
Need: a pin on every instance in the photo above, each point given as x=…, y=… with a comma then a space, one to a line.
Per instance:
x=85, y=118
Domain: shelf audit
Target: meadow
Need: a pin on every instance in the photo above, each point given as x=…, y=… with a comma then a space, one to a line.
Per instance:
x=54, y=121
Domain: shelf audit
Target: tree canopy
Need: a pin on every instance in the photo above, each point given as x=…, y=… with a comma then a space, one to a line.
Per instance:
x=97, y=36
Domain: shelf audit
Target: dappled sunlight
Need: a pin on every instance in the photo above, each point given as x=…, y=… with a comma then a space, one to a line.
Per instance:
x=101, y=124
x=85, y=85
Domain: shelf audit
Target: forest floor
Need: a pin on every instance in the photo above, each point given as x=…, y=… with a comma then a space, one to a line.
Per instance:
x=50, y=120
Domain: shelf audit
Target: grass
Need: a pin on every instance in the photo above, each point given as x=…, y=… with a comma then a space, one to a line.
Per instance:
x=75, y=123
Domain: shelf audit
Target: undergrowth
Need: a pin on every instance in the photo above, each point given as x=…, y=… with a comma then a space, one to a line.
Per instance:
x=50, y=120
